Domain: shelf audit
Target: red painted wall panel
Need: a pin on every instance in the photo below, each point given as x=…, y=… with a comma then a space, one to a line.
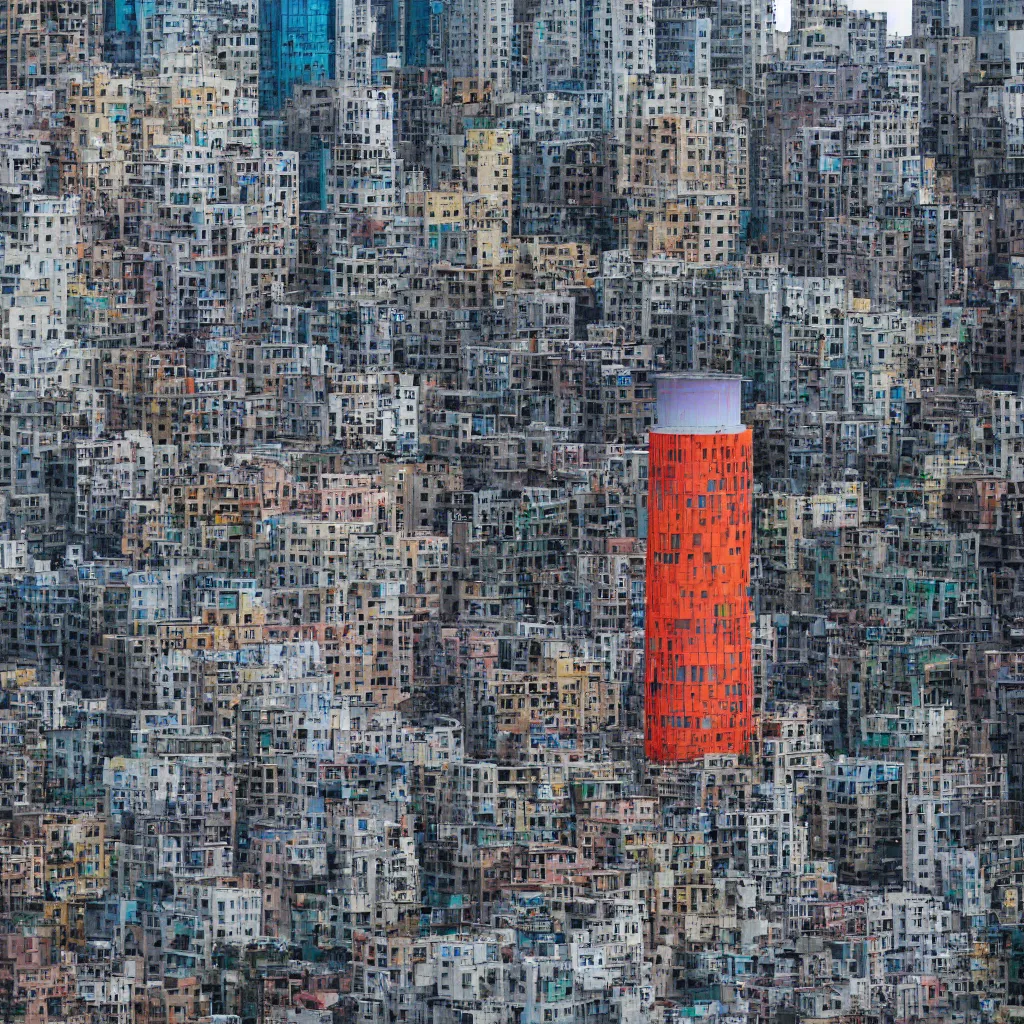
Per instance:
x=698, y=671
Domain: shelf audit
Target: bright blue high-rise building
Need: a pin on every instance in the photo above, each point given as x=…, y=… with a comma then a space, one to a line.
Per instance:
x=417, y=33
x=296, y=45
x=121, y=40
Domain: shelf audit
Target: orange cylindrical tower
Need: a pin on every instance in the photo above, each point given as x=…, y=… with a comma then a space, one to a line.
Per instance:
x=698, y=672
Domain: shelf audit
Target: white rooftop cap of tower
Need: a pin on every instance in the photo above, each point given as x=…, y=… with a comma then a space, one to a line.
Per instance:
x=698, y=403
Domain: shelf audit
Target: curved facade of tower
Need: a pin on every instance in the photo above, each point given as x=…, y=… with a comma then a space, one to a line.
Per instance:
x=698, y=671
